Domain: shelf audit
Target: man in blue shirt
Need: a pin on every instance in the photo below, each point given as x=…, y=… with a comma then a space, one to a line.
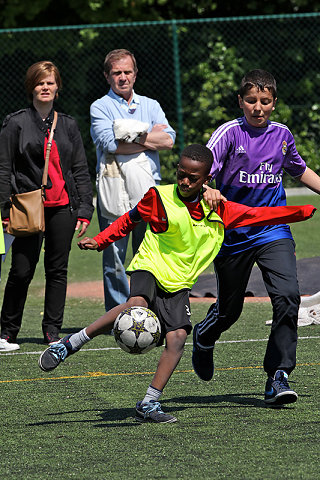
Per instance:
x=128, y=167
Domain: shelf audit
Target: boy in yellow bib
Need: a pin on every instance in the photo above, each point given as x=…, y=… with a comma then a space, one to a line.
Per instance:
x=182, y=238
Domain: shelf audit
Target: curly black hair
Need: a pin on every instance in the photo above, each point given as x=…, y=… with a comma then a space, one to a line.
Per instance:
x=199, y=153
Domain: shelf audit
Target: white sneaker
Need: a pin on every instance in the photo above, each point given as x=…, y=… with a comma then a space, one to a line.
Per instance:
x=310, y=301
x=306, y=316
x=5, y=346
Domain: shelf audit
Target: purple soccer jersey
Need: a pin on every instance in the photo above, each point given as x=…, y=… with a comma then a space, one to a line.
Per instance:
x=248, y=165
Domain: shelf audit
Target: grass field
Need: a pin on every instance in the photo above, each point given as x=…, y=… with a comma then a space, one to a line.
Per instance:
x=77, y=422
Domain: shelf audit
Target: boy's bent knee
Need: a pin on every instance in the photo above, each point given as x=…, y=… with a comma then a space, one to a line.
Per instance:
x=176, y=338
x=137, y=302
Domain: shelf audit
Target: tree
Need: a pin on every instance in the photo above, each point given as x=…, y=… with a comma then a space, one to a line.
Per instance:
x=33, y=13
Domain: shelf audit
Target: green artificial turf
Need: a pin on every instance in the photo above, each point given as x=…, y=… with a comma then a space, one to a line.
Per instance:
x=77, y=421
x=306, y=234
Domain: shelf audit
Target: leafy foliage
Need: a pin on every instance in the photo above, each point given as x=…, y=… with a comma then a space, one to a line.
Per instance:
x=193, y=69
x=31, y=13
x=212, y=86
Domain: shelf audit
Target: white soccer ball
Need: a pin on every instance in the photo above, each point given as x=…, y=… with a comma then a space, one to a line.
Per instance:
x=137, y=330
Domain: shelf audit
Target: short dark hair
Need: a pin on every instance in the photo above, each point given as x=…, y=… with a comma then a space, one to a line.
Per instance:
x=199, y=153
x=37, y=72
x=116, y=55
x=260, y=79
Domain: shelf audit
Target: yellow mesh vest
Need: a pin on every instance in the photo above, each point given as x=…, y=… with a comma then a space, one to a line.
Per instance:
x=177, y=256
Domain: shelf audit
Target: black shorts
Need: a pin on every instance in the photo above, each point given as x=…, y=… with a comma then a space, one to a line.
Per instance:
x=172, y=309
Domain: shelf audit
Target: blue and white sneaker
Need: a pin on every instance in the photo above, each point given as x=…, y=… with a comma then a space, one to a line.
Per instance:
x=278, y=391
x=152, y=412
x=56, y=354
x=202, y=358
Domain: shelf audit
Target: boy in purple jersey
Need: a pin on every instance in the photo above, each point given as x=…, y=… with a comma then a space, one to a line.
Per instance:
x=250, y=154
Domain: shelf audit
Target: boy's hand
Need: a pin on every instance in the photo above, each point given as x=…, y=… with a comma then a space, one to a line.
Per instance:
x=213, y=197
x=88, y=244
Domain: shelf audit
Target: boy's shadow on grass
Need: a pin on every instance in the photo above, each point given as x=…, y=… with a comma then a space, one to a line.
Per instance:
x=124, y=417
x=28, y=340
x=66, y=331
x=39, y=340
x=113, y=417
x=215, y=401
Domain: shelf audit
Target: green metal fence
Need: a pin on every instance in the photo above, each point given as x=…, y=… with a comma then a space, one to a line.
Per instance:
x=192, y=67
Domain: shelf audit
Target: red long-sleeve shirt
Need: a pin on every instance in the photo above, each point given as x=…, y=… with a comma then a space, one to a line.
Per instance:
x=233, y=215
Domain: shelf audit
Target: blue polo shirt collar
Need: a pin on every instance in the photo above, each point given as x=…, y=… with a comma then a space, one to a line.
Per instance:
x=124, y=104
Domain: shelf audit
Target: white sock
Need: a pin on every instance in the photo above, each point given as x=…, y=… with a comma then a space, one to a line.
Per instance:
x=152, y=394
x=78, y=339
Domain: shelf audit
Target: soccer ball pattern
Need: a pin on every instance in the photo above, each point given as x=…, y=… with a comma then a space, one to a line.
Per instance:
x=137, y=330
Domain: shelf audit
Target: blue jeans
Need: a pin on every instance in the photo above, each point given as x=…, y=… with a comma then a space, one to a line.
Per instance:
x=115, y=282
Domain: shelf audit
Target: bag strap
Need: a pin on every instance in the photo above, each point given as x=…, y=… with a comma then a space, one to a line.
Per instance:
x=49, y=145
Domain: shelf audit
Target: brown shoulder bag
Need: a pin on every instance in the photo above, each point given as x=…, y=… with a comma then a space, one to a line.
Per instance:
x=27, y=209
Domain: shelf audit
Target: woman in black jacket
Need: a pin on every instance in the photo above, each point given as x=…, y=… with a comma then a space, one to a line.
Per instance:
x=68, y=204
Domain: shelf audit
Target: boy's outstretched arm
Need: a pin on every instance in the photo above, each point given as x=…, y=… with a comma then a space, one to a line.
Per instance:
x=235, y=215
x=311, y=180
x=118, y=229
x=148, y=209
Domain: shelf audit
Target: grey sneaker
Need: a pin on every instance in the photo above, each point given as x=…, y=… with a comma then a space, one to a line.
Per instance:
x=56, y=354
x=277, y=390
x=202, y=358
x=151, y=412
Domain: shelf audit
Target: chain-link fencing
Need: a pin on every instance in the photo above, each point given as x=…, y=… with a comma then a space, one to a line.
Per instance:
x=192, y=67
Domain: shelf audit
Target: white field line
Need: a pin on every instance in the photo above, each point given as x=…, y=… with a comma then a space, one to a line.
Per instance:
x=83, y=350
